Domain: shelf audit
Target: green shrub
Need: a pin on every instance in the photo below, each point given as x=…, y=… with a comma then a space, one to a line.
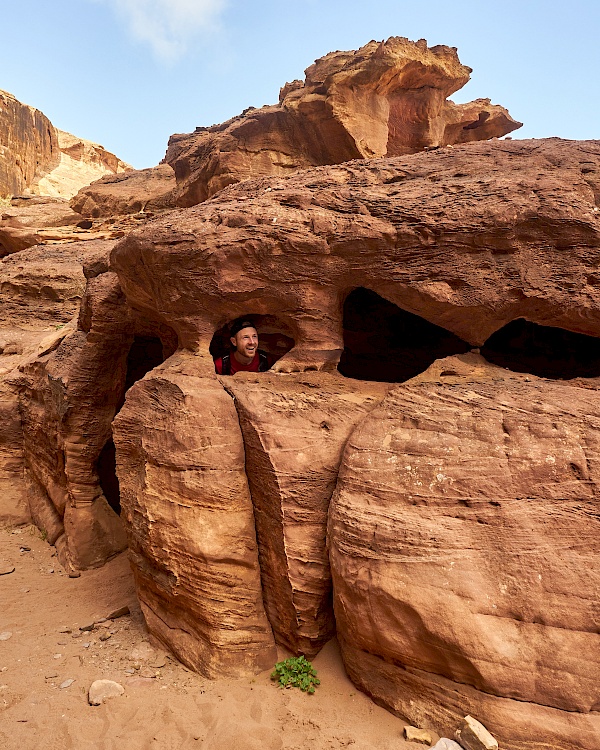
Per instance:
x=298, y=672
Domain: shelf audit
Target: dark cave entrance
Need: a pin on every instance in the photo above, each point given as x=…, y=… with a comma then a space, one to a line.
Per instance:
x=145, y=353
x=385, y=343
x=544, y=351
x=107, y=474
x=275, y=337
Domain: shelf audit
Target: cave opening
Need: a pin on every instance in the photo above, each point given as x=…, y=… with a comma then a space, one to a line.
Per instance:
x=145, y=353
x=544, y=351
x=385, y=343
x=275, y=337
x=107, y=475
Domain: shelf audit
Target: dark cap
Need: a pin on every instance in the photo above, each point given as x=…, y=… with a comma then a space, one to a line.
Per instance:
x=239, y=324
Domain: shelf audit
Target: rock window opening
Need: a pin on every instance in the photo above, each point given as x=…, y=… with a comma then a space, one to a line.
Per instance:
x=275, y=337
x=382, y=342
x=544, y=351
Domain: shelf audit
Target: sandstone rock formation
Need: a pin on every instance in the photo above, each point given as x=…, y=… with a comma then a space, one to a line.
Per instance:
x=36, y=157
x=385, y=99
x=130, y=192
x=462, y=533
x=437, y=233
x=191, y=523
x=81, y=162
x=294, y=433
x=449, y=519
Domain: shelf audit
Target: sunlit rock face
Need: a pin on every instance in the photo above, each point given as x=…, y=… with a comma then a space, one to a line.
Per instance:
x=385, y=99
x=35, y=157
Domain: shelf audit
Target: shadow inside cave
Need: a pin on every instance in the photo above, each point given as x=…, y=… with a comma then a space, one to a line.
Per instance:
x=385, y=343
x=543, y=351
x=145, y=353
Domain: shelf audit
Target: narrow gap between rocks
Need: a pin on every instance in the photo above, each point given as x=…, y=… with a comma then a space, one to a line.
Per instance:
x=385, y=343
x=146, y=353
x=544, y=351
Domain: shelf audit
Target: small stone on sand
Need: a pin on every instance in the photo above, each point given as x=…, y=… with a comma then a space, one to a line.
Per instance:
x=101, y=690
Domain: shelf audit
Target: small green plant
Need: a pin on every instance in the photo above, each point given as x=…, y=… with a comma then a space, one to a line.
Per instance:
x=298, y=672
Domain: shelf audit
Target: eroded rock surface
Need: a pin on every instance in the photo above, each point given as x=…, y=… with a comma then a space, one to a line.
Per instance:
x=295, y=430
x=440, y=234
x=385, y=99
x=127, y=193
x=190, y=520
x=463, y=534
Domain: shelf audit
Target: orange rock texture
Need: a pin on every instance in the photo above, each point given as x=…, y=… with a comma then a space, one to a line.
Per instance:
x=37, y=158
x=385, y=99
x=435, y=507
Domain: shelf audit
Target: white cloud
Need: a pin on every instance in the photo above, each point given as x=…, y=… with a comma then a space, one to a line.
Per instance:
x=168, y=25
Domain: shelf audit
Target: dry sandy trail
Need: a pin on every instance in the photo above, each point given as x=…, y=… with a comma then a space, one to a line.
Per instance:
x=176, y=709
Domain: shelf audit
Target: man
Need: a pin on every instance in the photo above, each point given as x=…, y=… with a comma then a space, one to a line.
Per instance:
x=246, y=356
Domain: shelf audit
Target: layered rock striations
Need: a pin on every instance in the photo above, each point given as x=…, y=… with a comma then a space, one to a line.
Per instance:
x=444, y=527
x=36, y=157
x=440, y=234
x=28, y=146
x=385, y=99
x=463, y=536
x=190, y=519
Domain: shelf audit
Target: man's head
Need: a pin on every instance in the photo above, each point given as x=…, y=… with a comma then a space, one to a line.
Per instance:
x=244, y=339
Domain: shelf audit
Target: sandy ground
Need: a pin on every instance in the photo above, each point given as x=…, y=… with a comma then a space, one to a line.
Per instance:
x=164, y=705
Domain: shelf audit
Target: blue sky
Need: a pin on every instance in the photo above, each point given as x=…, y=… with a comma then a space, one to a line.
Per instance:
x=129, y=73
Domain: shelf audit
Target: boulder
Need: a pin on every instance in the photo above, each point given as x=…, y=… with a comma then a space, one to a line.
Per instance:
x=102, y=690
x=385, y=99
x=294, y=431
x=134, y=191
x=472, y=735
x=461, y=536
x=189, y=519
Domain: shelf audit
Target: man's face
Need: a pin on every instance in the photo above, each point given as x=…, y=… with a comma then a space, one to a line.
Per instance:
x=246, y=342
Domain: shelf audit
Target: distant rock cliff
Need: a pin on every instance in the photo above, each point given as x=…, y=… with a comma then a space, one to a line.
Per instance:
x=37, y=158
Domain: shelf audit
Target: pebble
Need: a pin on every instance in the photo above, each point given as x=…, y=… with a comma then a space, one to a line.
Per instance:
x=90, y=626
x=121, y=612
x=6, y=635
x=414, y=734
x=65, y=629
x=50, y=570
x=101, y=690
x=446, y=744
x=66, y=684
x=105, y=636
x=472, y=735
x=6, y=569
x=87, y=644
x=147, y=672
x=51, y=675
x=130, y=671
x=24, y=591
x=58, y=656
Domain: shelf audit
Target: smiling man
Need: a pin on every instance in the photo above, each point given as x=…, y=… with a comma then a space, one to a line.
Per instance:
x=246, y=356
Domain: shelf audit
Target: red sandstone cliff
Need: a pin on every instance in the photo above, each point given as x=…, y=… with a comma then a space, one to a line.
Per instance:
x=35, y=157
